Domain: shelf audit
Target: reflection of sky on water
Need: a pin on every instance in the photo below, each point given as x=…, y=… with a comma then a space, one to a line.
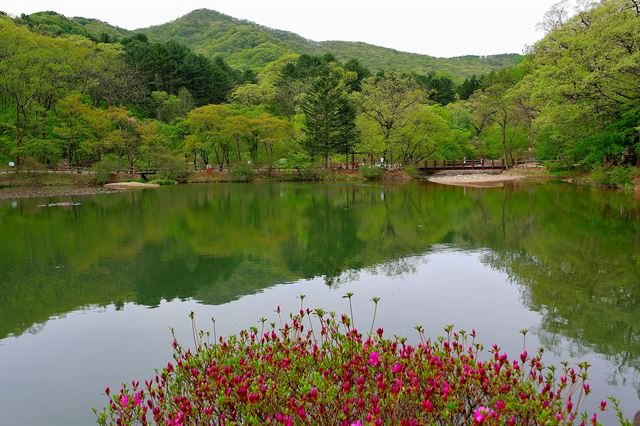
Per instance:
x=64, y=368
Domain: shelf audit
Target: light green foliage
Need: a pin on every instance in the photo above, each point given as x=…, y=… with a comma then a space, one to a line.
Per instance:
x=55, y=24
x=425, y=133
x=173, y=168
x=584, y=77
x=388, y=105
x=298, y=161
x=500, y=115
x=616, y=176
x=103, y=170
x=242, y=172
x=170, y=107
x=575, y=99
x=371, y=172
x=124, y=137
x=236, y=133
x=36, y=71
x=264, y=91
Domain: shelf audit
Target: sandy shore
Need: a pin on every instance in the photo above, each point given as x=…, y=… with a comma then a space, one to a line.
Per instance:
x=479, y=180
x=130, y=185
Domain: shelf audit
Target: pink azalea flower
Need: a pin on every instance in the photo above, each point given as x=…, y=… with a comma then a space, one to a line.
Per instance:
x=124, y=400
x=481, y=413
x=374, y=358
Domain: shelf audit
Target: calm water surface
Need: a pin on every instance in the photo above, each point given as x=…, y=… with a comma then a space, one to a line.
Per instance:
x=88, y=293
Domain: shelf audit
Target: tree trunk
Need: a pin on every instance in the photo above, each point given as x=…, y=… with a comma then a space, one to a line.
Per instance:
x=18, y=137
x=503, y=129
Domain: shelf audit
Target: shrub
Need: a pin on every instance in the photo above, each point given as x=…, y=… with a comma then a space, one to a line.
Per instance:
x=102, y=171
x=242, y=173
x=311, y=175
x=31, y=164
x=332, y=373
x=613, y=176
x=173, y=168
x=371, y=172
x=413, y=171
x=163, y=182
x=559, y=166
x=299, y=161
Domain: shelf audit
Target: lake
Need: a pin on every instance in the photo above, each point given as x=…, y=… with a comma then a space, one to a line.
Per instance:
x=88, y=292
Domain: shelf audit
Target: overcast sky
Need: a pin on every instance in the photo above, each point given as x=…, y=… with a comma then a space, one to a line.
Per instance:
x=434, y=27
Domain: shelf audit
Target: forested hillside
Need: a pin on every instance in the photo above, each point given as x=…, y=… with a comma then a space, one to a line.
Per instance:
x=125, y=100
x=244, y=44
x=55, y=24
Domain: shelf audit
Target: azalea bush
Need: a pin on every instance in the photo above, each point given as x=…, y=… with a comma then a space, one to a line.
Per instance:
x=316, y=368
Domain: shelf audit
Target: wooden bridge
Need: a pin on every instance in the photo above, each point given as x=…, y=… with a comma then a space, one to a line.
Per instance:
x=478, y=164
x=142, y=172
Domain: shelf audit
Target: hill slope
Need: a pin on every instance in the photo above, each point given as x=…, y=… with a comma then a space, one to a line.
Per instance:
x=55, y=24
x=244, y=44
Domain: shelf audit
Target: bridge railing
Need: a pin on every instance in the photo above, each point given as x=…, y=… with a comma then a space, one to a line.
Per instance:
x=464, y=164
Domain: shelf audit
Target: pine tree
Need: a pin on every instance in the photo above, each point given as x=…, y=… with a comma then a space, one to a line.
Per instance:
x=329, y=118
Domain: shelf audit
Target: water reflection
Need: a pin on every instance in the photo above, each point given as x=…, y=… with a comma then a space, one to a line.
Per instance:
x=573, y=253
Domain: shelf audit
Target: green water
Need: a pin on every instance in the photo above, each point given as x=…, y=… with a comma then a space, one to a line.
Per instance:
x=87, y=292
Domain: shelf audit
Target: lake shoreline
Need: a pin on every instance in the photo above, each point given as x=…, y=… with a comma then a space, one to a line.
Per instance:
x=52, y=191
x=32, y=186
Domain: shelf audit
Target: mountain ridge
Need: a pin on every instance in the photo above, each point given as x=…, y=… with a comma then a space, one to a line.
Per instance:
x=248, y=45
x=210, y=23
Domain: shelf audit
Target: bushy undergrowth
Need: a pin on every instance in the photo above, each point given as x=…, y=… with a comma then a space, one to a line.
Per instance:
x=312, y=175
x=371, y=172
x=163, y=182
x=559, y=166
x=102, y=171
x=413, y=171
x=616, y=176
x=318, y=369
x=242, y=173
x=172, y=168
